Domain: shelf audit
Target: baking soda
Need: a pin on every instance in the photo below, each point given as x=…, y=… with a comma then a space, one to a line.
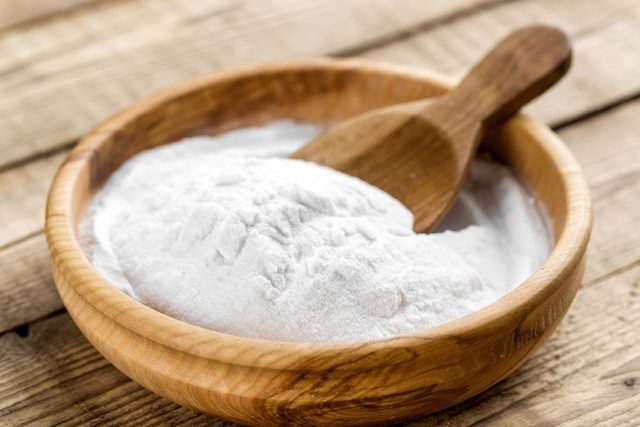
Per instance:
x=227, y=234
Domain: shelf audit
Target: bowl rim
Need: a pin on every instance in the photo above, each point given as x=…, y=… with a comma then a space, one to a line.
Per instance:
x=70, y=262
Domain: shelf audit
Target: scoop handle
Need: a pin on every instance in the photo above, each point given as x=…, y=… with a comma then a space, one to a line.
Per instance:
x=518, y=69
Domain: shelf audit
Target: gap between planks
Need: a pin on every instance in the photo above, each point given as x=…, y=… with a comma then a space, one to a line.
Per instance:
x=416, y=30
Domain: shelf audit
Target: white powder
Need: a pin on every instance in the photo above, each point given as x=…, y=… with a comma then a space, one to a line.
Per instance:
x=226, y=234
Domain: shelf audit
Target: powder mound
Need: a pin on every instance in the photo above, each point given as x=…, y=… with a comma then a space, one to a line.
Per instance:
x=266, y=247
x=279, y=248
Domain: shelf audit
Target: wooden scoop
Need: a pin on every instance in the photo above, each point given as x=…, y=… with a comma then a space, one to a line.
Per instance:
x=419, y=152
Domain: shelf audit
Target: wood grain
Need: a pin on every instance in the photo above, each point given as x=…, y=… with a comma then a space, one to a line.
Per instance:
x=266, y=382
x=615, y=181
x=87, y=73
x=24, y=193
x=26, y=289
x=109, y=54
x=606, y=44
x=22, y=12
x=53, y=376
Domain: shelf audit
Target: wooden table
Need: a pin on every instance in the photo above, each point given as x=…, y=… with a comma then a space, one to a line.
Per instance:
x=65, y=65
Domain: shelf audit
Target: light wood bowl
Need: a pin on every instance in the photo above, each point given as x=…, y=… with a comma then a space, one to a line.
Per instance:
x=266, y=382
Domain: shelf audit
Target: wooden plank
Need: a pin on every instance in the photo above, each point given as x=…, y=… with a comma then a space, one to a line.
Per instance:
x=606, y=43
x=586, y=373
x=107, y=55
x=27, y=291
x=14, y=13
x=608, y=149
x=614, y=241
x=23, y=193
x=607, y=146
x=54, y=376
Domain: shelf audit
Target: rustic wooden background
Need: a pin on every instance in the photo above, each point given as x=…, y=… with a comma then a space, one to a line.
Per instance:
x=65, y=65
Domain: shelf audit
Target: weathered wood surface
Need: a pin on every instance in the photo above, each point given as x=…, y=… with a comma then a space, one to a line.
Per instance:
x=14, y=13
x=104, y=57
x=104, y=54
x=606, y=43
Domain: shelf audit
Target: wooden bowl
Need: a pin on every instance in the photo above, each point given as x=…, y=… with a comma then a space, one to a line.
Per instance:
x=267, y=382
